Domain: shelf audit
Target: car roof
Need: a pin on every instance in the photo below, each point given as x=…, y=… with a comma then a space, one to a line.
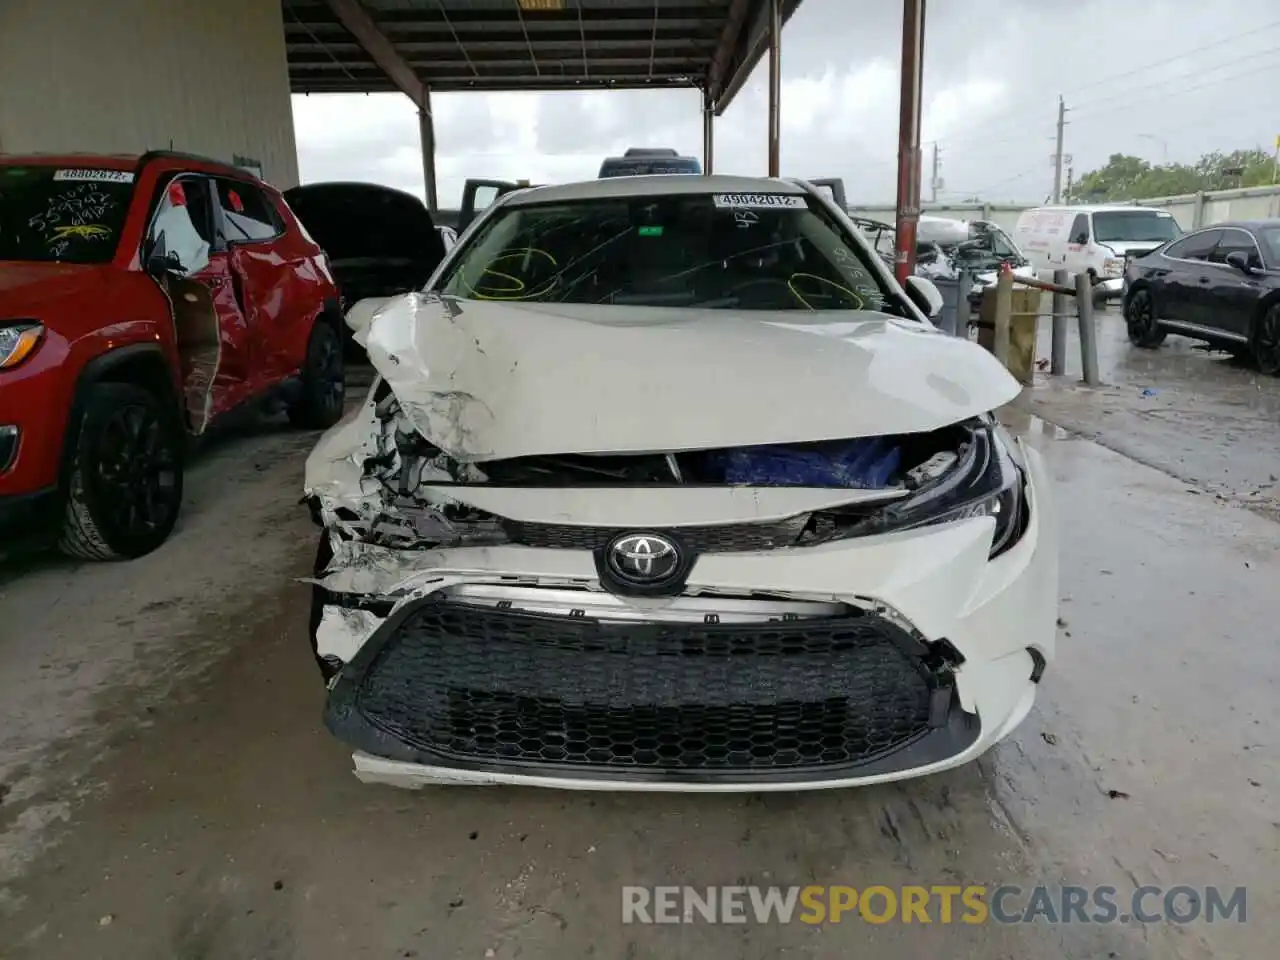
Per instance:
x=651, y=186
x=1091, y=208
x=1245, y=224
x=134, y=162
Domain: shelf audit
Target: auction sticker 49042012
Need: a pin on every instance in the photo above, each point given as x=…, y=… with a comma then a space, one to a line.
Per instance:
x=96, y=176
x=759, y=201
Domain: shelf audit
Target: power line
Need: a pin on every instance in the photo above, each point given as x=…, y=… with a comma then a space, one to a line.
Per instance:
x=1019, y=113
x=1164, y=83
x=1254, y=31
x=1127, y=103
x=1007, y=180
x=1200, y=86
x=1126, y=96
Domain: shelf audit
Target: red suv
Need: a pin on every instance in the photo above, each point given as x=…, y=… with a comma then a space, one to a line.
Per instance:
x=142, y=298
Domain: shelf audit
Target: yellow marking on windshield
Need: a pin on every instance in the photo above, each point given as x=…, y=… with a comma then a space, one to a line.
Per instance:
x=791, y=285
x=85, y=231
x=515, y=289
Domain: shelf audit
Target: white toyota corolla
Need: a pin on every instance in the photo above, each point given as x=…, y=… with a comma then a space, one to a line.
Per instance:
x=664, y=483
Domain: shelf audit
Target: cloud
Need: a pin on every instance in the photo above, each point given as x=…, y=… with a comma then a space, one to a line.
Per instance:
x=993, y=72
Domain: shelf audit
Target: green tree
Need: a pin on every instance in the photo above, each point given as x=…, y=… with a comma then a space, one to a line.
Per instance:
x=1117, y=178
x=1125, y=177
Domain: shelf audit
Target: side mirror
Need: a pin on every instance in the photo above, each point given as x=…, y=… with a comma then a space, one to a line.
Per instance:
x=160, y=264
x=924, y=295
x=1240, y=260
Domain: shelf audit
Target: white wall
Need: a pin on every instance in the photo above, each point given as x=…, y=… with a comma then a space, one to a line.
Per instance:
x=1248, y=203
x=125, y=76
x=1004, y=214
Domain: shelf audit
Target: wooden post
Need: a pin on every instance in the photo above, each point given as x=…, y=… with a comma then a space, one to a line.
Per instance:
x=1004, y=309
x=1058, y=356
x=1088, y=341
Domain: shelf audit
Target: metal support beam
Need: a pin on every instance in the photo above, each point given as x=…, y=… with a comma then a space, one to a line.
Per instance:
x=908, y=213
x=755, y=48
x=775, y=88
x=380, y=49
x=733, y=26
x=427, y=133
x=708, y=134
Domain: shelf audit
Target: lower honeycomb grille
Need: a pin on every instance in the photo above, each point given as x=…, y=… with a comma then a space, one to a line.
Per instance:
x=499, y=687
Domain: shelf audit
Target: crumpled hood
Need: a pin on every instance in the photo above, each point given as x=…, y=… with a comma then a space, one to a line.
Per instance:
x=485, y=380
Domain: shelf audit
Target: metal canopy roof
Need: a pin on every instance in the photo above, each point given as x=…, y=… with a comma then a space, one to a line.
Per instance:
x=451, y=45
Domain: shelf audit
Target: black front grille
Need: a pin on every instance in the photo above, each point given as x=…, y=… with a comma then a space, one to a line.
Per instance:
x=455, y=683
x=722, y=538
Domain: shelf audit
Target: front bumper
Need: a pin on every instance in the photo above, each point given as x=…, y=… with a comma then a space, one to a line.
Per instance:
x=1110, y=288
x=925, y=654
x=28, y=514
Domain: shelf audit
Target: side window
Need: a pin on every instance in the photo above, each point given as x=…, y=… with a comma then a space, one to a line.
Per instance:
x=248, y=215
x=1194, y=246
x=1236, y=241
x=486, y=194
x=182, y=227
x=1079, y=229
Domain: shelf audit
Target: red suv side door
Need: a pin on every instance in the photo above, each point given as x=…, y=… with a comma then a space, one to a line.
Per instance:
x=211, y=331
x=276, y=279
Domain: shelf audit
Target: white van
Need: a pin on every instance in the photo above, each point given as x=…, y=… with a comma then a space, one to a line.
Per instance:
x=1092, y=239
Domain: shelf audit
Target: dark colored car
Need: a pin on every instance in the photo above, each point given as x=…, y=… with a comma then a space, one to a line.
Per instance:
x=141, y=299
x=644, y=161
x=1220, y=284
x=380, y=241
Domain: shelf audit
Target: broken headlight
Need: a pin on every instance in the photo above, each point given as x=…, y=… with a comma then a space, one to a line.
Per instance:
x=987, y=481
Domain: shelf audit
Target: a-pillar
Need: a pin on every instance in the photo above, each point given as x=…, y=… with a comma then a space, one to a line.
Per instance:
x=708, y=134
x=427, y=133
x=775, y=88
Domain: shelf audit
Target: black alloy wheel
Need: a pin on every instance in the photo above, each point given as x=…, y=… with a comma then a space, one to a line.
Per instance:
x=1265, y=344
x=1140, y=320
x=323, y=380
x=125, y=488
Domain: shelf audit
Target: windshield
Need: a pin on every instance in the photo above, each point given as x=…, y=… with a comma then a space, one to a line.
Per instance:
x=1130, y=226
x=996, y=240
x=731, y=251
x=58, y=214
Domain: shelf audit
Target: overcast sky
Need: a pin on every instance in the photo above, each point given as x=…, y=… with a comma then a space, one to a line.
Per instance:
x=1191, y=76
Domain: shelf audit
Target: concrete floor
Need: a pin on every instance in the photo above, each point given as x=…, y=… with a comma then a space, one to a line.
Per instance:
x=167, y=790
x=1196, y=414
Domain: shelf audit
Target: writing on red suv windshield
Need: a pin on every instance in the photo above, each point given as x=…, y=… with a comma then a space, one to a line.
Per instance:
x=57, y=214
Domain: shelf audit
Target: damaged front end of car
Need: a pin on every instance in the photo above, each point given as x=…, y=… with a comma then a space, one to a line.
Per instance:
x=479, y=616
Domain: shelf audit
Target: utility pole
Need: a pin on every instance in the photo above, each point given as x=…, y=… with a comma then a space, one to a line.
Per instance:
x=907, y=213
x=934, y=182
x=1070, y=181
x=1057, y=153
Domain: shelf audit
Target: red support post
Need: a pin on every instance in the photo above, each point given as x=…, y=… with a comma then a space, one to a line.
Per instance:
x=912, y=72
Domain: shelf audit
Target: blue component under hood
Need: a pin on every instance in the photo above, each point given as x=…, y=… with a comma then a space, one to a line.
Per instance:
x=869, y=463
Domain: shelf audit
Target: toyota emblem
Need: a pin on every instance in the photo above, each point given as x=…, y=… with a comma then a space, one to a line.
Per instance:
x=643, y=558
